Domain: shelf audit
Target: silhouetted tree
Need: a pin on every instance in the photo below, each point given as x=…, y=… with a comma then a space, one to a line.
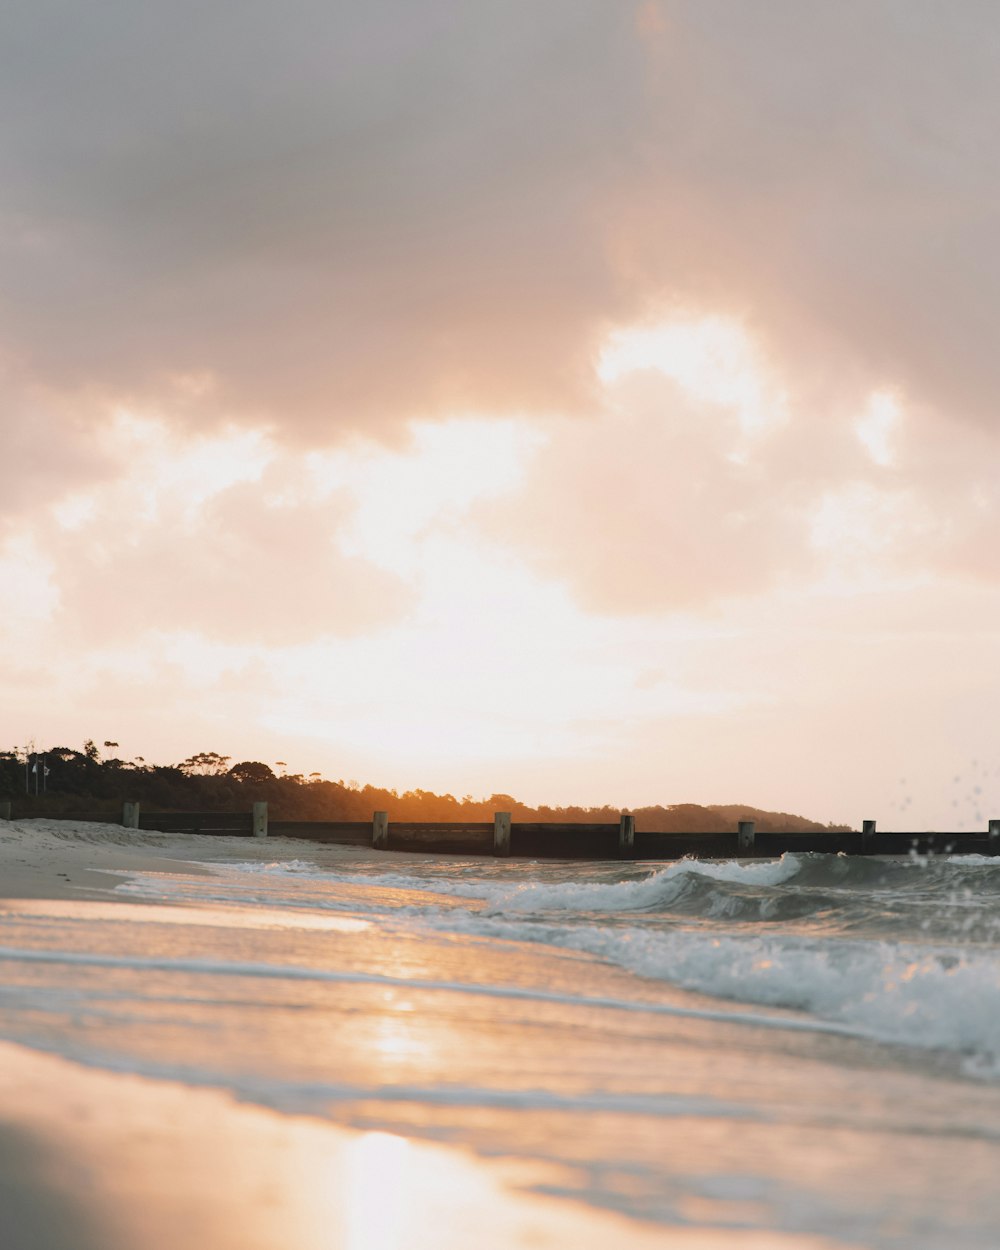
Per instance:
x=82, y=785
x=205, y=764
x=251, y=771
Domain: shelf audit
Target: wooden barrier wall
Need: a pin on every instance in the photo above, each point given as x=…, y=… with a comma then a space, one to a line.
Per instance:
x=536, y=840
x=553, y=841
x=225, y=824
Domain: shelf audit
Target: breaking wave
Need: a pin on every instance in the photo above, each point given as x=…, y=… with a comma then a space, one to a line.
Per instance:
x=901, y=951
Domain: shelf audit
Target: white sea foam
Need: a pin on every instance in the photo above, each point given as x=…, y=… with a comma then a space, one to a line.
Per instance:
x=929, y=993
x=284, y=867
x=294, y=972
x=652, y=891
x=850, y=950
x=929, y=997
x=657, y=888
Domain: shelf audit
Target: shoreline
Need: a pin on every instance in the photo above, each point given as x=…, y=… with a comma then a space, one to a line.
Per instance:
x=217, y=1042
x=97, y=1159
x=65, y=860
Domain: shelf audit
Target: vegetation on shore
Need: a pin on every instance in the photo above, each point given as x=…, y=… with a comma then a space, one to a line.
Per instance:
x=84, y=783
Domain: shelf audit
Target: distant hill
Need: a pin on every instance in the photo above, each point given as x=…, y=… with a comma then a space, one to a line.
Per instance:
x=82, y=783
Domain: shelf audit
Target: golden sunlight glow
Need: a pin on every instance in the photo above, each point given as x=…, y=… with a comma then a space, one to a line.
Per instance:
x=377, y=1189
x=856, y=520
x=166, y=467
x=23, y=565
x=861, y=530
x=391, y=1038
x=713, y=359
x=485, y=662
x=877, y=425
x=400, y=495
x=73, y=511
x=464, y=642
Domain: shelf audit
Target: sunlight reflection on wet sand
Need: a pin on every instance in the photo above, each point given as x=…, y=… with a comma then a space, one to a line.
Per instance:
x=216, y=917
x=408, y=1088
x=121, y=1162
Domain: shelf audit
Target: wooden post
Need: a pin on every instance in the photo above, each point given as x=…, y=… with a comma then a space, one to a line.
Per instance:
x=5, y=809
x=260, y=819
x=626, y=834
x=501, y=833
x=867, y=836
x=380, y=831
x=745, y=835
x=130, y=815
x=994, y=836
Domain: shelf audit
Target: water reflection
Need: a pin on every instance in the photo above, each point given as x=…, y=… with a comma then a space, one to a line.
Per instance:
x=377, y=1175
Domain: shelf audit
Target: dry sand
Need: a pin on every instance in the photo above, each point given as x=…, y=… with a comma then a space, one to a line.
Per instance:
x=68, y=860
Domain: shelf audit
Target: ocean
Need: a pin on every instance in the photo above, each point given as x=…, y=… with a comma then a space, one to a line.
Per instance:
x=802, y=1051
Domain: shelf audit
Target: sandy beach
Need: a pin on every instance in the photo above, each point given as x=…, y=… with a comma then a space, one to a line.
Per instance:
x=65, y=860
x=199, y=1048
x=94, y=1160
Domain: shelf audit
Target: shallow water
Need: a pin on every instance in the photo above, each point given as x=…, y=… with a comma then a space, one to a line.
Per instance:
x=809, y=1045
x=902, y=951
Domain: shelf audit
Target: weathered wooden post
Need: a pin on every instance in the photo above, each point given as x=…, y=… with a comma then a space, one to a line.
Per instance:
x=745, y=835
x=130, y=815
x=260, y=819
x=626, y=834
x=867, y=836
x=501, y=833
x=4, y=809
x=994, y=835
x=380, y=831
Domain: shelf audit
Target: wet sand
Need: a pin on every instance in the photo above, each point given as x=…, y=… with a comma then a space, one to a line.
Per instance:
x=98, y=1160
x=92, y=1160
x=322, y=1109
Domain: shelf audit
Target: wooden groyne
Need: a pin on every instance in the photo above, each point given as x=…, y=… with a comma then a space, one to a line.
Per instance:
x=536, y=840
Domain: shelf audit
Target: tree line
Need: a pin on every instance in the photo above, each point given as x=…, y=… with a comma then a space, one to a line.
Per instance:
x=91, y=783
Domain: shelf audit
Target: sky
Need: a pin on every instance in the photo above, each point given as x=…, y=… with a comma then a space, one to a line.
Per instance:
x=587, y=400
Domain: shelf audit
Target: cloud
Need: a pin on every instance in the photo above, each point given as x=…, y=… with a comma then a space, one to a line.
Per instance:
x=233, y=537
x=643, y=509
x=822, y=168
x=342, y=216
x=338, y=213
x=702, y=482
x=244, y=572
x=231, y=238
x=46, y=447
